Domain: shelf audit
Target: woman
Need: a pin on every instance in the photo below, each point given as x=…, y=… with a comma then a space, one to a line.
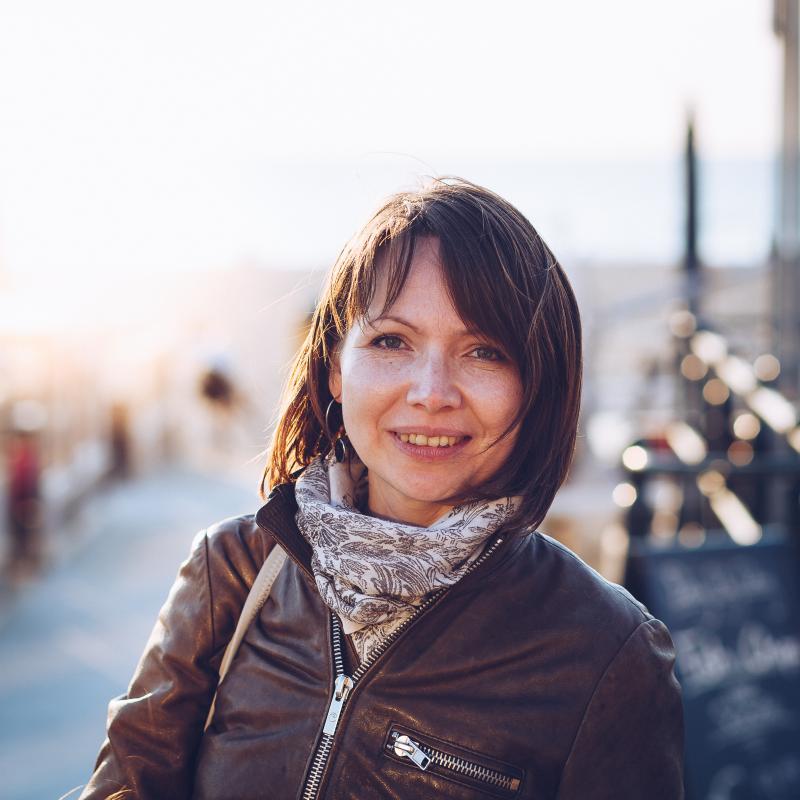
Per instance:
x=421, y=640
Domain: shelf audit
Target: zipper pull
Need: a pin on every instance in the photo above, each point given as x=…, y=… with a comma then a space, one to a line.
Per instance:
x=342, y=687
x=403, y=746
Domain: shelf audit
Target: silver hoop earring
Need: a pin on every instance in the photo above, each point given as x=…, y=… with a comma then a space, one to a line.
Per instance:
x=340, y=450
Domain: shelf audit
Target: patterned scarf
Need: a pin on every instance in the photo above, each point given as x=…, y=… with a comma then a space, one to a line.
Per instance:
x=373, y=573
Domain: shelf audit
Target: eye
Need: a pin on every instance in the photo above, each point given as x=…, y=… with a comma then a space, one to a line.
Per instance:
x=388, y=342
x=486, y=353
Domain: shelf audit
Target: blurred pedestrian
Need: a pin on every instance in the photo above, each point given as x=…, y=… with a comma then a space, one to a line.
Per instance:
x=23, y=502
x=120, y=441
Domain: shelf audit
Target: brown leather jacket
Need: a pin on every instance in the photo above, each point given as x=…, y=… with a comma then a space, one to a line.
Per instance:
x=530, y=678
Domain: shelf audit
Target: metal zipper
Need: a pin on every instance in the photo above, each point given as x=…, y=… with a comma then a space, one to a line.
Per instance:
x=342, y=686
x=422, y=756
x=345, y=684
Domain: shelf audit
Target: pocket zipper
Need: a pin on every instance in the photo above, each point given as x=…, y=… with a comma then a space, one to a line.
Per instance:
x=423, y=756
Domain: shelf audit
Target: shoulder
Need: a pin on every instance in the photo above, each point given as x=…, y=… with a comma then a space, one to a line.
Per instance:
x=236, y=534
x=574, y=575
x=235, y=549
x=560, y=596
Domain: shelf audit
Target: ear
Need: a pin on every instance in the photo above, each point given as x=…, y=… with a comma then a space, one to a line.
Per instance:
x=335, y=376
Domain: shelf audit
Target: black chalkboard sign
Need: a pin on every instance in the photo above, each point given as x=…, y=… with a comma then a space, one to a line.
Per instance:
x=733, y=613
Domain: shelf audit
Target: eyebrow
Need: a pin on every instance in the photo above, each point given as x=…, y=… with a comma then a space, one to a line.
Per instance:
x=393, y=318
x=401, y=321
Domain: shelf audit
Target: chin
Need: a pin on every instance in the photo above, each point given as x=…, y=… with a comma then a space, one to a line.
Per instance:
x=426, y=493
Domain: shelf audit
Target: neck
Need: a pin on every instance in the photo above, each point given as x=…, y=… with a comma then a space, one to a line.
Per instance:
x=423, y=515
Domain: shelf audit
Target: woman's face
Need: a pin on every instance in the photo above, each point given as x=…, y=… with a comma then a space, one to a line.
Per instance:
x=424, y=399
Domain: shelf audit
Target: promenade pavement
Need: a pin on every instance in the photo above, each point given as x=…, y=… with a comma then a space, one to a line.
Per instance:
x=69, y=640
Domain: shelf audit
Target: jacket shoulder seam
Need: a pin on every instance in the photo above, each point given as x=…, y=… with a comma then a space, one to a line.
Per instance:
x=209, y=586
x=579, y=729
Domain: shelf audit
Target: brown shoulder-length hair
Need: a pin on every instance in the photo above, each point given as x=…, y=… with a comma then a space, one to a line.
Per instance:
x=503, y=281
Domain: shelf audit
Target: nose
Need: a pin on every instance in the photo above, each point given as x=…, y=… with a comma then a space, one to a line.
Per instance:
x=432, y=386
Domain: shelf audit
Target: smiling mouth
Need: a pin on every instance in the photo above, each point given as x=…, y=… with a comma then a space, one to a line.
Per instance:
x=420, y=440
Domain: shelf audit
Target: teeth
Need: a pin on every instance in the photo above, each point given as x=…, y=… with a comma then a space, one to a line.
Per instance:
x=420, y=439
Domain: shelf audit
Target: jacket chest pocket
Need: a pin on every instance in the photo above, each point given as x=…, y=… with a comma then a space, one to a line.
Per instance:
x=426, y=754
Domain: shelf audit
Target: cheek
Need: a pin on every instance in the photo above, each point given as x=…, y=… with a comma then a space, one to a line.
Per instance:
x=500, y=402
x=370, y=387
x=363, y=375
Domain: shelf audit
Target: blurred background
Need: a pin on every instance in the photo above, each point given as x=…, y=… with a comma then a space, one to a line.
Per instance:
x=175, y=178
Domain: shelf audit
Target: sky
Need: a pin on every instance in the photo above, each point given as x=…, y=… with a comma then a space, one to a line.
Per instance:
x=167, y=136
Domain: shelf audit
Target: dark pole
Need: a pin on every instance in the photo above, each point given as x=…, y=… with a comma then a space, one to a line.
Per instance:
x=691, y=263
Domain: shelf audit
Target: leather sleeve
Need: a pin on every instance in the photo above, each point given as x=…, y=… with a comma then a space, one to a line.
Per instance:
x=154, y=730
x=630, y=742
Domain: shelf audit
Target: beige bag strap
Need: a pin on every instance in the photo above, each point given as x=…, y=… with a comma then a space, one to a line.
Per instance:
x=259, y=592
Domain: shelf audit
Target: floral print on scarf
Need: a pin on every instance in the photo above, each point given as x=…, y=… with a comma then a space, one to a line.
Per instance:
x=372, y=572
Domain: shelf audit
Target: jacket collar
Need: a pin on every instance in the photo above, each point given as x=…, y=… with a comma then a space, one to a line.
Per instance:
x=276, y=518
